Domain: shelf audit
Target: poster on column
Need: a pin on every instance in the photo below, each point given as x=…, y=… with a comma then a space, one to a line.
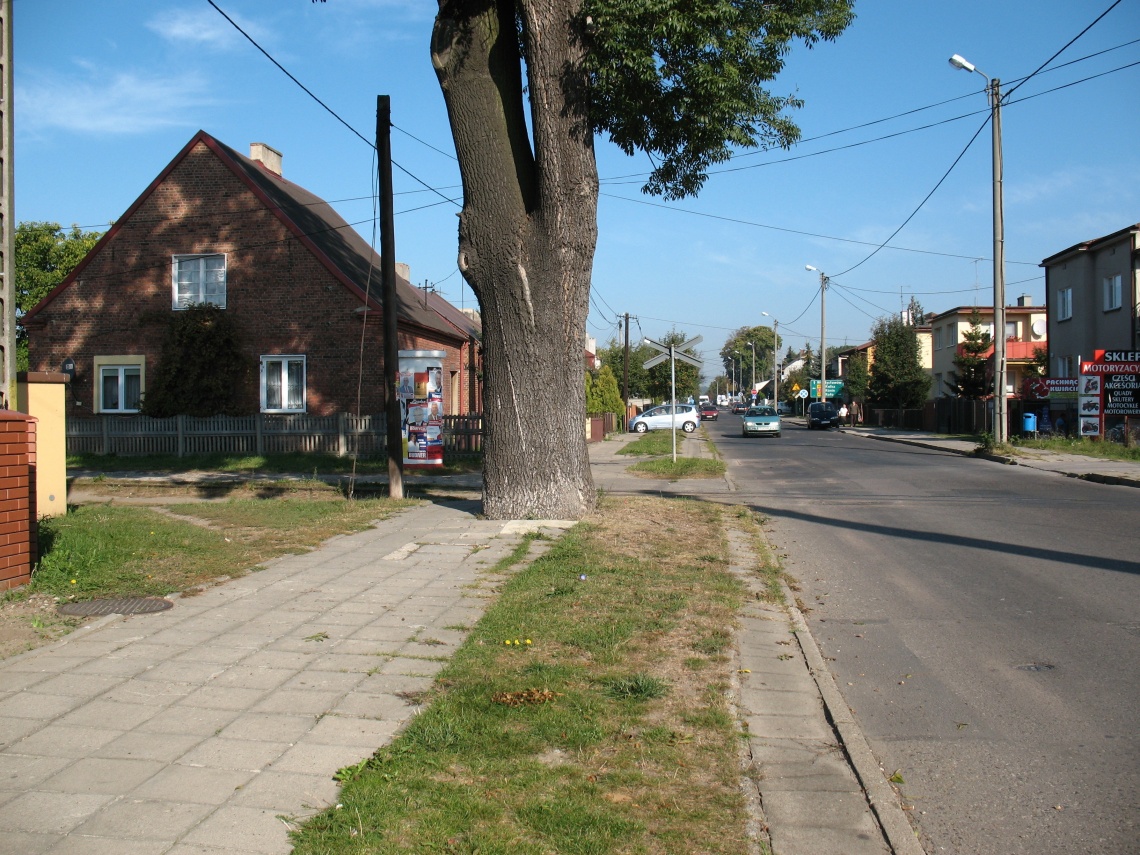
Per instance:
x=421, y=403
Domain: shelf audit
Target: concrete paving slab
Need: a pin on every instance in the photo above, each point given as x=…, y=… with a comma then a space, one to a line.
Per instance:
x=20, y=772
x=139, y=745
x=140, y=819
x=269, y=727
x=243, y=829
x=363, y=733
x=220, y=752
x=182, y=783
x=187, y=720
x=76, y=844
x=102, y=775
x=291, y=793
x=46, y=813
x=64, y=741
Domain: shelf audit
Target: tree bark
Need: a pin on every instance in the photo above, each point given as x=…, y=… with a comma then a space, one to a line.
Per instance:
x=527, y=234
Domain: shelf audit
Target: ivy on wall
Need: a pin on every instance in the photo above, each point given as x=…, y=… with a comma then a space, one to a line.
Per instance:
x=202, y=369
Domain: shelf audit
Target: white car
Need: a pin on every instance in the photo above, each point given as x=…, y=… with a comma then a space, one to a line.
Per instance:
x=688, y=416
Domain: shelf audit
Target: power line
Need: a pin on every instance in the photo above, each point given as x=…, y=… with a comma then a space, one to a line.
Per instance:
x=742, y=222
x=329, y=109
x=1062, y=50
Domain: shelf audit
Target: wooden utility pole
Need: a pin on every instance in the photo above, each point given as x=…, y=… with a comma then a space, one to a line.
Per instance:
x=395, y=435
x=625, y=381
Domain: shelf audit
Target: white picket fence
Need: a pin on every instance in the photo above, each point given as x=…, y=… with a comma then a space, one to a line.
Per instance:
x=260, y=434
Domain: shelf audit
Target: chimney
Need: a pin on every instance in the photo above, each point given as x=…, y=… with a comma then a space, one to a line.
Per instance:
x=1025, y=300
x=268, y=157
x=404, y=270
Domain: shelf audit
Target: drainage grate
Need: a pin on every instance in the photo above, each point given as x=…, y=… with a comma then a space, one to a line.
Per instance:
x=116, y=606
x=1036, y=666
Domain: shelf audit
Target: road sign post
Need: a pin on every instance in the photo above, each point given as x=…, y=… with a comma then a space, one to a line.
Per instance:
x=673, y=353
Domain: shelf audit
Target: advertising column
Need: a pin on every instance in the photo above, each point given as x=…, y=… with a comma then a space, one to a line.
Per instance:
x=421, y=405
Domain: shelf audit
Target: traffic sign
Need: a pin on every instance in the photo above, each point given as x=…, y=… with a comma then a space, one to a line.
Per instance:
x=802, y=393
x=675, y=350
x=834, y=388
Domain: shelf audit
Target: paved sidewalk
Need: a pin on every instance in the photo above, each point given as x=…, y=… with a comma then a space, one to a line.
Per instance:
x=204, y=729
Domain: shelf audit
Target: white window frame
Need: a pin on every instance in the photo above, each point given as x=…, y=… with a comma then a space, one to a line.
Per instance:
x=938, y=338
x=197, y=268
x=1065, y=304
x=1113, y=293
x=282, y=361
x=118, y=366
x=1063, y=366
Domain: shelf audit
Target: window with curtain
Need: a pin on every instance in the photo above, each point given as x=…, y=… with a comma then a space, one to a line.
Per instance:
x=283, y=384
x=199, y=279
x=120, y=388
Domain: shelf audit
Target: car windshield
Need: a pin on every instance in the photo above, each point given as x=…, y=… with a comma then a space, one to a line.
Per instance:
x=761, y=411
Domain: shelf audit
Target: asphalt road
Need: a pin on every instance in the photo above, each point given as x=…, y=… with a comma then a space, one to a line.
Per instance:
x=983, y=622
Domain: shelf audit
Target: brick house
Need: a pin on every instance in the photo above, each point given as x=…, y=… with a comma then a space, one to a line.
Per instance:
x=301, y=284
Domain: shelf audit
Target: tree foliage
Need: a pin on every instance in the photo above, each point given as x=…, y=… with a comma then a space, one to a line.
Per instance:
x=682, y=79
x=745, y=345
x=688, y=376
x=857, y=377
x=202, y=369
x=602, y=392
x=970, y=377
x=898, y=379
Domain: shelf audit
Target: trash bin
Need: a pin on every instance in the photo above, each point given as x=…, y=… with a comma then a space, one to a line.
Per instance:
x=1029, y=423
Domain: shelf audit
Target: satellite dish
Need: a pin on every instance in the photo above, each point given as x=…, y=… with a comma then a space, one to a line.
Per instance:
x=1039, y=328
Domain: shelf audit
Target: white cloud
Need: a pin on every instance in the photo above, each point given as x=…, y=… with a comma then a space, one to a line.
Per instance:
x=120, y=104
x=203, y=27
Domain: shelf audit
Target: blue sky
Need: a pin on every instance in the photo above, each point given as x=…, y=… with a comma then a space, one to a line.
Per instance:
x=107, y=93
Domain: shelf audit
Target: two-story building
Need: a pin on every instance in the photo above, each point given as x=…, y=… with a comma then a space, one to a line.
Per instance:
x=1025, y=332
x=1091, y=290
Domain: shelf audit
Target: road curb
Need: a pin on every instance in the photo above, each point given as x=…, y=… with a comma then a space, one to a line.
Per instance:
x=884, y=803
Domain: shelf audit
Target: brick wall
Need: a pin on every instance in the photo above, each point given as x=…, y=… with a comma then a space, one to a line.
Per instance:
x=284, y=300
x=17, y=498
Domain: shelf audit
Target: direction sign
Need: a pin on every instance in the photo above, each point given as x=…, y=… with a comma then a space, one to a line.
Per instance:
x=834, y=388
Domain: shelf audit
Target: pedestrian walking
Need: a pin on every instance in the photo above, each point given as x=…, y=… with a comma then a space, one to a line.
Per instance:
x=842, y=413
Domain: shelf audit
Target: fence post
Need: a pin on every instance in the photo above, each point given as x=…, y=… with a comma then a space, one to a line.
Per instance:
x=257, y=427
x=180, y=421
x=106, y=433
x=342, y=439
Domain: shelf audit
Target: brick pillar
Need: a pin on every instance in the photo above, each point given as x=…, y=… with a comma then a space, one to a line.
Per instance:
x=17, y=498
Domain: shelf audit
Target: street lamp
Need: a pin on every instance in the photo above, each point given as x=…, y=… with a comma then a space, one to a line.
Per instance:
x=823, y=280
x=752, y=390
x=737, y=371
x=993, y=88
x=775, y=358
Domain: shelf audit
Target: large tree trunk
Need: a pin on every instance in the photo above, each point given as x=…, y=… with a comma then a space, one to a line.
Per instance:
x=526, y=241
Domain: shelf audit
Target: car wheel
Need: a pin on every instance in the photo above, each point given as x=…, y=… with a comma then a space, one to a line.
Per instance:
x=641, y=427
x=778, y=435
x=689, y=427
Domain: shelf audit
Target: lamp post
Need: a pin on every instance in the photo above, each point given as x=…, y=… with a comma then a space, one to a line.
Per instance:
x=775, y=358
x=823, y=280
x=752, y=388
x=993, y=88
x=738, y=369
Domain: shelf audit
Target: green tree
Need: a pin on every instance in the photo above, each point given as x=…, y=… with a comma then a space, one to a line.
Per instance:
x=752, y=349
x=527, y=85
x=969, y=378
x=688, y=376
x=602, y=392
x=897, y=377
x=202, y=369
x=857, y=378
x=43, y=256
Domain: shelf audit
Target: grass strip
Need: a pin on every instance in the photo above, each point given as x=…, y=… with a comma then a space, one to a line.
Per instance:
x=653, y=443
x=116, y=551
x=682, y=467
x=586, y=713
x=1080, y=445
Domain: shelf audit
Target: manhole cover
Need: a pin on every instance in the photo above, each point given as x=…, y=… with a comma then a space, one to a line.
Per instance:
x=116, y=606
x=1035, y=666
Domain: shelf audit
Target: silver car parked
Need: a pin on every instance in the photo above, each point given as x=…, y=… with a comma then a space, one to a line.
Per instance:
x=661, y=418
